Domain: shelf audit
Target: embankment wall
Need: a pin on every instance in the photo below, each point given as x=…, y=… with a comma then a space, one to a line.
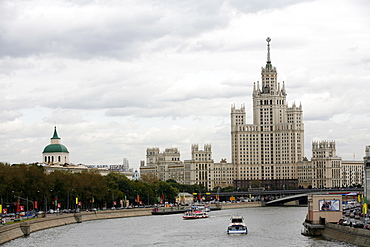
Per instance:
x=14, y=231
x=356, y=236
x=240, y=205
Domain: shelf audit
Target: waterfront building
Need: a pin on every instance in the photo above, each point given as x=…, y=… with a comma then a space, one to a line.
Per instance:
x=271, y=147
x=326, y=165
x=352, y=173
x=305, y=173
x=200, y=169
x=223, y=174
x=327, y=170
x=267, y=153
x=163, y=165
x=55, y=153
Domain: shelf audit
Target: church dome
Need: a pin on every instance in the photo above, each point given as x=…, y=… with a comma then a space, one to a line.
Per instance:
x=55, y=148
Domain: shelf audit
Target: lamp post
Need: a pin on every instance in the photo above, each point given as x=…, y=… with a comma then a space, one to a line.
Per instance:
x=1, y=209
x=67, y=199
x=148, y=198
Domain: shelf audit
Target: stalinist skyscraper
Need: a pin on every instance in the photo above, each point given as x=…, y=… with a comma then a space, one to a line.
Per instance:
x=270, y=148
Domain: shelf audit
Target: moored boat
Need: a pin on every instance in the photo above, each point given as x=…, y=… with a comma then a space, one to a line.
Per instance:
x=237, y=226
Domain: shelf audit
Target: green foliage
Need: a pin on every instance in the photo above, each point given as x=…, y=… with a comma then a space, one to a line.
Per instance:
x=92, y=189
x=228, y=189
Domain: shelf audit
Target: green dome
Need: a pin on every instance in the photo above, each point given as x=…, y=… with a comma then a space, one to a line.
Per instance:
x=55, y=148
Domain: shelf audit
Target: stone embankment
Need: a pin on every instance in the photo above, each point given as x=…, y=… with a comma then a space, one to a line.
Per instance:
x=356, y=236
x=240, y=205
x=16, y=230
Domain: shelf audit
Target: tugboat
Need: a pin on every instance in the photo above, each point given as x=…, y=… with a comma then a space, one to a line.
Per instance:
x=237, y=226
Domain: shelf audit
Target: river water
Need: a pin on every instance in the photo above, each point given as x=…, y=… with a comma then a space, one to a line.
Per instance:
x=267, y=226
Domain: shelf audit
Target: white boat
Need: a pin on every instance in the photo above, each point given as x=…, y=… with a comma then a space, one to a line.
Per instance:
x=237, y=226
x=194, y=214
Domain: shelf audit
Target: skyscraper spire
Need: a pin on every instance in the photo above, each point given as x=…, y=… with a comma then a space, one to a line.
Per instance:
x=268, y=64
x=268, y=50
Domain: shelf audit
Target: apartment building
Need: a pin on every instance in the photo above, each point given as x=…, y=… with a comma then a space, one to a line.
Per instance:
x=271, y=147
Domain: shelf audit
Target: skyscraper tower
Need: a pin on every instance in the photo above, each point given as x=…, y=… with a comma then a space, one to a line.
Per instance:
x=271, y=147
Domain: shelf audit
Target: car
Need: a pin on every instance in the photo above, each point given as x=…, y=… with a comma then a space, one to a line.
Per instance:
x=346, y=223
x=340, y=222
x=358, y=225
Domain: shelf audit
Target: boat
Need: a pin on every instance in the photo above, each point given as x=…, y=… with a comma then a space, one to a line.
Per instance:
x=204, y=208
x=237, y=226
x=169, y=210
x=193, y=214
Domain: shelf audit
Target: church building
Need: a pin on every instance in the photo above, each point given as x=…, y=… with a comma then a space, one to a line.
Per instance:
x=55, y=153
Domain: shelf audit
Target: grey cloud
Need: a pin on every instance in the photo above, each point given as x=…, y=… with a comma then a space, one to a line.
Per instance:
x=119, y=30
x=113, y=28
x=9, y=115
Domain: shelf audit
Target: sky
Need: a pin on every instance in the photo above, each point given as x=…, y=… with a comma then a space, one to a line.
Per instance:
x=118, y=77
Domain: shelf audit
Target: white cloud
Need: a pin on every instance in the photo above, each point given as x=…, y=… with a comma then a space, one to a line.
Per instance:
x=118, y=77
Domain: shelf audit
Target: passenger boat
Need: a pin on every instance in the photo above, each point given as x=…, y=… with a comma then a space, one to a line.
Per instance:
x=237, y=226
x=194, y=214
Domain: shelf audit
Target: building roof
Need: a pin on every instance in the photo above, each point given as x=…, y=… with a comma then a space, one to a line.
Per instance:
x=55, y=148
x=55, y=136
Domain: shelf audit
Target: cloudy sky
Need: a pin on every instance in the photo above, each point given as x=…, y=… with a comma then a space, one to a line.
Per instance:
x=118, y=77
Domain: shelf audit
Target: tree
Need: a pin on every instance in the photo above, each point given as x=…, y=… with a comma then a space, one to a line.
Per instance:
x=149, y=178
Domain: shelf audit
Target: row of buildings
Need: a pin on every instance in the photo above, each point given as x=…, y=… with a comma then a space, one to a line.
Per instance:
x=267, y=153
x=324, y=170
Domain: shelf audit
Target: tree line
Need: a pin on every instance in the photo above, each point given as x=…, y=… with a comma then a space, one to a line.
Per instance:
x=35, y=188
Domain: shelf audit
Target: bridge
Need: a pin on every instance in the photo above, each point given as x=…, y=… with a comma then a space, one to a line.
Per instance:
x=284, y=197
x=299, y=199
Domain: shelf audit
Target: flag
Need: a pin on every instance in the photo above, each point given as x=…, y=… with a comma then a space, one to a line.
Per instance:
x=364, y=208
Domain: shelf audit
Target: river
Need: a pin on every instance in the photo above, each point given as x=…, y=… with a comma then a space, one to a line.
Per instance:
x=267, y=226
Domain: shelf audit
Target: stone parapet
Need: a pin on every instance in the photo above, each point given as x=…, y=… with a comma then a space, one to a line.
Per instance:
x=356, y=236
x=240, y=205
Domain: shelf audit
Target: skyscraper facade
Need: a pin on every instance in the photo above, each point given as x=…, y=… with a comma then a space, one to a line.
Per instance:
x=271, y=147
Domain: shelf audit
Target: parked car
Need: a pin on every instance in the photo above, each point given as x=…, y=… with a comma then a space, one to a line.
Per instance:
x=346, y=223
x=358, y=225
x=340, y=222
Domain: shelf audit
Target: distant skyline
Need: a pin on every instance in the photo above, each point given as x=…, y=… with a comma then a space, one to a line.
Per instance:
x=118, y=77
